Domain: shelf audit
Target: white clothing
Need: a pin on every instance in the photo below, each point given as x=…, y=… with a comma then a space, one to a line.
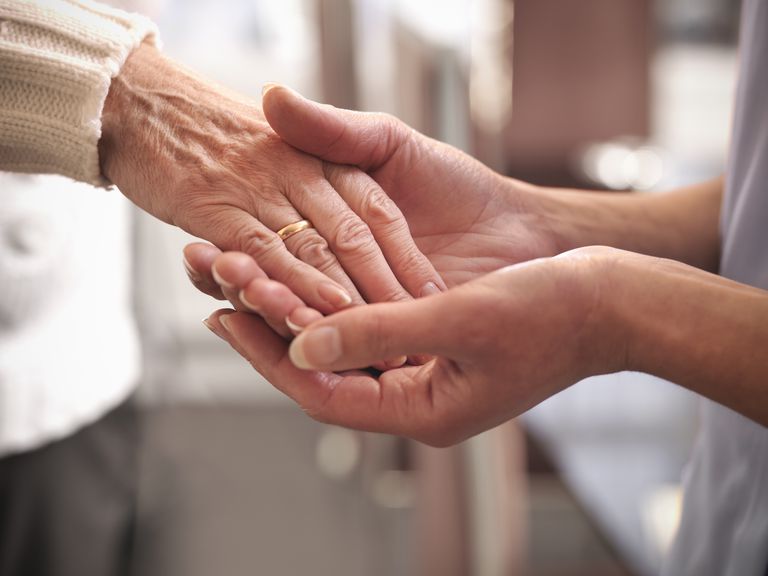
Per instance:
x=69, y=349
x=68, y=345
x=724, y=529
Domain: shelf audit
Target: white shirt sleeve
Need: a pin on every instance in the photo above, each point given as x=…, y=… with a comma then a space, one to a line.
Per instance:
x=57, y=59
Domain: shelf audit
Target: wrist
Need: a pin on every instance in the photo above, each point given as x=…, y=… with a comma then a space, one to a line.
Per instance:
x=121, y=108
x=528, y=222
x=163, y=127
x=651, y=310
x=568, y=219
x=607, y=338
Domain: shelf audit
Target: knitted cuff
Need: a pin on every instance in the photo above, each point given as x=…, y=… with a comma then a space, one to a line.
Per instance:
x=57, y=59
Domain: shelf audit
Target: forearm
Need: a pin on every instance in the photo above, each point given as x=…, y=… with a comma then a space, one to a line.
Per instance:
x=681, y=224
x=696, y=329
x=57, y=59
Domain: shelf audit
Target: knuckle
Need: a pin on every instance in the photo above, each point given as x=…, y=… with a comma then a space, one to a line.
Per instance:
x=412, y=262
x=392, y=130
x=395, y=294
x=379, y=209
x=259, y=243
x=391, y=123
x=352, y=235
x=336, y=173
x=314, y=250
x=374, y=334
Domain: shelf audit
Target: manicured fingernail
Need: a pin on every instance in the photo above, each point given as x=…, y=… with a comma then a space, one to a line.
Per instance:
x=212, y=328
x=267, y=87
x=300, y=318
x=219, y=280
x=429, y=289
x=250, y=305
x=191, y=272
x=224, y=321
x=295, y=328
x=322, y=345
x=334, y=295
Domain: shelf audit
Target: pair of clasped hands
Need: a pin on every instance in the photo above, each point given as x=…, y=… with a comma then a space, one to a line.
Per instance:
x=422, y=245
x=430, y=297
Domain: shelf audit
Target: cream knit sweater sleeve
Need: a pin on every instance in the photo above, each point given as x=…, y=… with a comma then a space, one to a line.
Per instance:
x=57, y=58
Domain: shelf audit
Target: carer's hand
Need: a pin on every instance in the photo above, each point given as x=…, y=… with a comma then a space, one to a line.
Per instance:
x=466, y=218
x=502, y=343
x=205, y=160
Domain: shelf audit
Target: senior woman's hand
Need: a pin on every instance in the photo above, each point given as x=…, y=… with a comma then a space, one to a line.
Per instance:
x=467, y=219
x=205, y=160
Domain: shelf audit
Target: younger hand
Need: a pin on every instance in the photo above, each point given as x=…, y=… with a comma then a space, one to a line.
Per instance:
x=502, y=343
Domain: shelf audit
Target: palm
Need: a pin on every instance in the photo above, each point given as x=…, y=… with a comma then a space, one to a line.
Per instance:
x=460, y=216
x=454, y=205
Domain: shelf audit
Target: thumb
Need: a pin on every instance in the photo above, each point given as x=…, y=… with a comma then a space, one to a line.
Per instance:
x=362, y=336
x=366, y=140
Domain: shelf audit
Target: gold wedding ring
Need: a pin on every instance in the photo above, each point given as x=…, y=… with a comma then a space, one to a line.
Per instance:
x=288, y=231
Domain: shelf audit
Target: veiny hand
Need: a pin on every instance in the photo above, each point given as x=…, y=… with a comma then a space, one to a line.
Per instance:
x=502, y=343
x=206, y=160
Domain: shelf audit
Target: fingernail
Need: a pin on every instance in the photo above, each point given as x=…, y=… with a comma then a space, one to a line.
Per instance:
x=334, y=295
x=323, y=345
x=267, y=87
x=300, y=318
x=212, y=328
x=419, y=359
x=191, y=272
x=429, y=289
x=396, y=362
x=219, y=280
x=295, y=328
x=250, y=305
x=224, y=321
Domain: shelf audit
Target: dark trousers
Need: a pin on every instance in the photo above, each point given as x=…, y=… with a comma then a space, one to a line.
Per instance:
x=68, y=508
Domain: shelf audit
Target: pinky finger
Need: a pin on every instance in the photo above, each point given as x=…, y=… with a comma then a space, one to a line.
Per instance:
x=198, y=259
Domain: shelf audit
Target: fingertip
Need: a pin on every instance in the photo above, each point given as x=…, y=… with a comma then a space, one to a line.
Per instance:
x=198, y=258
x=316, y=348
x=234, y=270
x=302, y=317
x=334, y=295
x=429, y=289
x=219, y=279
x=217, y=323
x=267, y=87
x=297, y=355
x=248, y=302
x=276, y=100
x=397, y=362
x=193, y=274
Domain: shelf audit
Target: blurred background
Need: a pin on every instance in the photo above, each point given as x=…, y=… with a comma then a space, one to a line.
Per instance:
x=607, y=94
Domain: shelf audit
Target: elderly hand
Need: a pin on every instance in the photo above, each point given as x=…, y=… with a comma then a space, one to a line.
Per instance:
x=207, y=161
x=467, y=219
x=502, y=343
